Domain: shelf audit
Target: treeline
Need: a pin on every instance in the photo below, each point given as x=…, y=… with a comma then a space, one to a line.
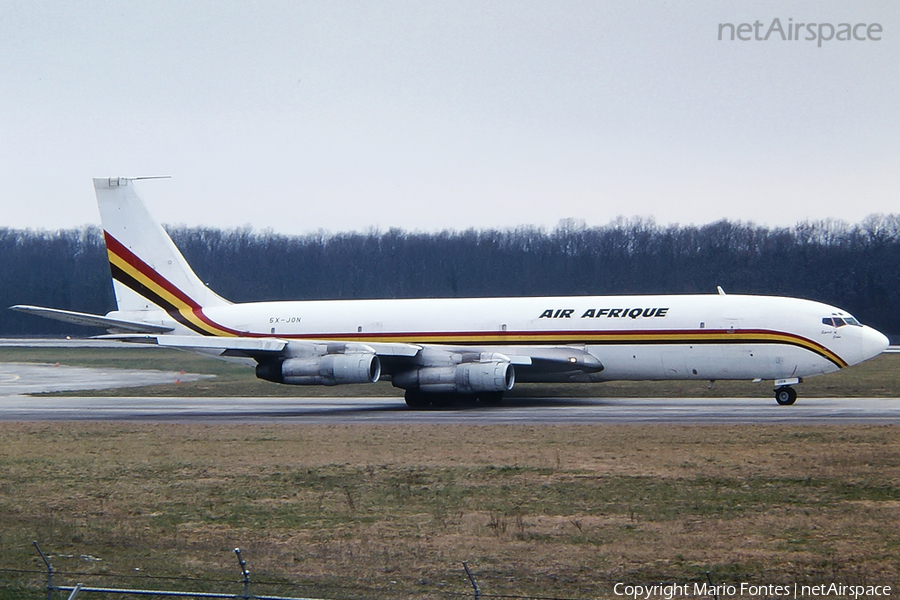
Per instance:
x=856, y=267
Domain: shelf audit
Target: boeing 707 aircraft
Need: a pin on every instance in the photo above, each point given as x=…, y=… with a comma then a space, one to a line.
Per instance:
x=441, y=350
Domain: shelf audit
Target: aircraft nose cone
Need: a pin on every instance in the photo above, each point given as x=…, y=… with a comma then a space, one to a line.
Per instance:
x=873, y=343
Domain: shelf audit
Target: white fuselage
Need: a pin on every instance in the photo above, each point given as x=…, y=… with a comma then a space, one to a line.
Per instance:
x=635, y=337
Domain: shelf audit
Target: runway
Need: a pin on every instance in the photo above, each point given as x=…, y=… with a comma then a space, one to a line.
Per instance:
x=19, y=379
x=832, y=411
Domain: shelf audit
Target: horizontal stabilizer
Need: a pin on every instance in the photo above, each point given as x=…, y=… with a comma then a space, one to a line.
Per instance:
x=68, y=316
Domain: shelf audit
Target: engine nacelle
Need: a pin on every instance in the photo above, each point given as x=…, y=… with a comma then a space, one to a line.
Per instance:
x=465, y=378
x=330, y=369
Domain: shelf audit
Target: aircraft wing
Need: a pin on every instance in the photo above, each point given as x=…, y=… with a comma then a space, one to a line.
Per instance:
x=395, y=356
x=557, y=359
x=267, y=347
x=78, y=318
x=234, y=345
x=541, y=360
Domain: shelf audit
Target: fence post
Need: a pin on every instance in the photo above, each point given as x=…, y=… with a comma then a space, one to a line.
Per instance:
x=472, y=580
x=75, y=591
x=245, y=573
x=49, y=571
x=709, y=579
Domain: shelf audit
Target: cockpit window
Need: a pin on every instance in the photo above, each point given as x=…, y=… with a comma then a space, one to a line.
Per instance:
x=840, y=321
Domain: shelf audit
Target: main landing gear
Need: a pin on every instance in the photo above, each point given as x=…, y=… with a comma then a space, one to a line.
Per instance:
x=417, y=400
x=785, y=395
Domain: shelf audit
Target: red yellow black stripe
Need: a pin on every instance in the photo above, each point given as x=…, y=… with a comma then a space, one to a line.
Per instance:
x=599, y=338
x=128, y=269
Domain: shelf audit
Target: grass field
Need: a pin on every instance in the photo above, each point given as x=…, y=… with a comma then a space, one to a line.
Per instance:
x=878, y=378
x=368, y=511
x=391, y=511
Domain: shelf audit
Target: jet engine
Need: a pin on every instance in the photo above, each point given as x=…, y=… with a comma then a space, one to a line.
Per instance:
x=330, y=369
x=464, y=378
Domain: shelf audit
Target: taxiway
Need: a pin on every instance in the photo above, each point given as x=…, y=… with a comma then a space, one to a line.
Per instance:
x=41, y=378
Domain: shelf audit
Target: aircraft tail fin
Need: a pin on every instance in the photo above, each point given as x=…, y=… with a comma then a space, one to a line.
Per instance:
x=148, y=270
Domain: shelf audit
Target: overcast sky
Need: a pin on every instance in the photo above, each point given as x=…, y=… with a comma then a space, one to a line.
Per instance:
x=424, y=115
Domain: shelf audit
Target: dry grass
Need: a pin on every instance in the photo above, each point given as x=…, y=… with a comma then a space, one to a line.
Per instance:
x=390, y=511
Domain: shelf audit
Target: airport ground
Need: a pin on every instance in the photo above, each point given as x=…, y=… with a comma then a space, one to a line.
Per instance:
x=877, y=378
x=390, y=511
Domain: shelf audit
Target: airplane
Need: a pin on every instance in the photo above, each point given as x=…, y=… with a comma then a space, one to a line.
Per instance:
x=443, y=350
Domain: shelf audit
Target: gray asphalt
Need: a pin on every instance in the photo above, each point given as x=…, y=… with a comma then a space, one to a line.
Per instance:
x=17, y=380
x=35, y=378
x=393, y=411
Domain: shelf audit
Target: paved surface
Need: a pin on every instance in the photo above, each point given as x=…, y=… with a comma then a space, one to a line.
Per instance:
x=393, y=411
x=34, y=378
x=18, y=379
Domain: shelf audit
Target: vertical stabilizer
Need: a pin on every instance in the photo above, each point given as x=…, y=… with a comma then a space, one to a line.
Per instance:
x=149, y=273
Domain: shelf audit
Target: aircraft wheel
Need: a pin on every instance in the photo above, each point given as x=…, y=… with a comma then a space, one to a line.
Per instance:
x=785, y=395
x=416, y=400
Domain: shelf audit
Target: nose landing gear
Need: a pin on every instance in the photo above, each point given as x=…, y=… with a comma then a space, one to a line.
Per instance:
x=785, y=395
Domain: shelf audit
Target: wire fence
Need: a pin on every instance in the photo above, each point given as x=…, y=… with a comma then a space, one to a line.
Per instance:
x=69, y=585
